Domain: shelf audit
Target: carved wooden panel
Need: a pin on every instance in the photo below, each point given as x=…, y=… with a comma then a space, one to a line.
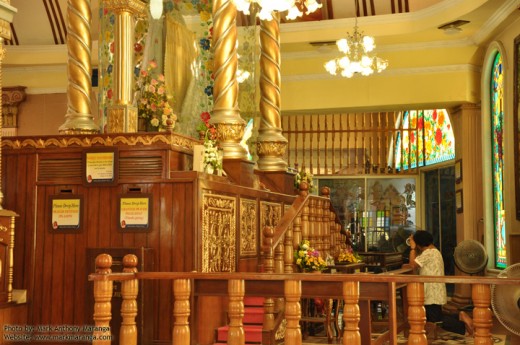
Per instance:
x=248, y=227
x=218, y=233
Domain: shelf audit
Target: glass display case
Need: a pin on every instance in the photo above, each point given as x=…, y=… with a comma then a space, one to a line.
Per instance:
x=379, y=212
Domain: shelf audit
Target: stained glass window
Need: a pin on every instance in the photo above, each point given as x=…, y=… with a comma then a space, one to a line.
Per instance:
x=497, y=159
x=427, y=138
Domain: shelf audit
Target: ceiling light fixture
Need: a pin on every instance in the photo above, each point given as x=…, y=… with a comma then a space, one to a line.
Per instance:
x=294, y=8
x=359, y=55
x=156, y=8
x=452, y=28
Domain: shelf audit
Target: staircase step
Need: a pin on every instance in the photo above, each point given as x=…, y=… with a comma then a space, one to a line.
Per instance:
x=252, y=333
x=253, y=315
x=254, y=301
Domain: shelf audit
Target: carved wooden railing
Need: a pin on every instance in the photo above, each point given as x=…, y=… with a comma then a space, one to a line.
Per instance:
x=309, y=218
x=352, y=288
x=361, y=143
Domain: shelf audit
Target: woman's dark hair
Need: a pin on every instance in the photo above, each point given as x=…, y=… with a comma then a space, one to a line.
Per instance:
x=423, y=238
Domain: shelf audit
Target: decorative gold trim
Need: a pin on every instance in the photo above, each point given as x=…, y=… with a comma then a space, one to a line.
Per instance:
x=269, y=148
x=170, y=139
x=122, y=119
x=218, y=233
x=134, y=6
x=280, y=332
x=270, y=155
x=3, y=228
x=248, y=228
x=5, y=29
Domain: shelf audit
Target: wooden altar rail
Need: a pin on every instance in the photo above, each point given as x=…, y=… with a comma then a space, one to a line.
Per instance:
x=350, y=287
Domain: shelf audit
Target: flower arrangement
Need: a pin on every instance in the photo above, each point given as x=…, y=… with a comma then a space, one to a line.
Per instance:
x=212, y=162
x=308, y=259
x=348, y=256
x=153, y=104
x=204, y=125
x=304, y=176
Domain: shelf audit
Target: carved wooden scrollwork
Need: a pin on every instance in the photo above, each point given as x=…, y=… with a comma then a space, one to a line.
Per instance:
x=12, y=97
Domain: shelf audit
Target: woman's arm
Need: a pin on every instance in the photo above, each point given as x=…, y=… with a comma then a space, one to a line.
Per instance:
x=413, y=254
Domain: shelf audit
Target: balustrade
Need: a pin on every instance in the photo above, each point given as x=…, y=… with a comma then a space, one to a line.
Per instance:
x=352, y=288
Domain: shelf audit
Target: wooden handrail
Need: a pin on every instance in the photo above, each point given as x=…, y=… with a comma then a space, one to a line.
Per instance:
x=354, y=289
x=325, y=278
x=288, y=217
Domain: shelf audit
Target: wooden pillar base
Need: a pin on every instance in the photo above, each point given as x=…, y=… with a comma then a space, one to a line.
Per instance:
x=240, y=171
x=277, y=181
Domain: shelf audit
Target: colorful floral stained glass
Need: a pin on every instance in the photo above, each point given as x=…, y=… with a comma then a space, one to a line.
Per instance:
x=497, y=159
x=427, y=138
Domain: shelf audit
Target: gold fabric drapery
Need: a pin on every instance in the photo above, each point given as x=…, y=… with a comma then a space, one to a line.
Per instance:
x=180, y=53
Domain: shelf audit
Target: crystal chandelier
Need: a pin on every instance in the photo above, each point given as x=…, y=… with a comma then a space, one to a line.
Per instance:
x=359, y=55
x=294, y=8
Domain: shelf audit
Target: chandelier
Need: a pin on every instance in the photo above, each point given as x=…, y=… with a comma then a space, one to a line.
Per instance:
x=294, y=8
x=359, y=55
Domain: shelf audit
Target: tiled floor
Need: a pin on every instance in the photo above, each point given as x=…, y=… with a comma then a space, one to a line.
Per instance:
x=444, y=338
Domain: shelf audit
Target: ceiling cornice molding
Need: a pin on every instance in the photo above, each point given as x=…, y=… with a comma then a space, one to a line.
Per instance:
x=495, y=20
x=45, y=90
x=35, y=69
x=33, y=49
x=333, y=52
x=388, y=72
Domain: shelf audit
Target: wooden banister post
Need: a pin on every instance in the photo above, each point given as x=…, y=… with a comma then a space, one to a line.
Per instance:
x=297, y=230
x=482, y=317
x=416, y=314
x=279, y=258
x=288, y=251
x=313, y=239
x=305, y=229
x=236, y=290
x=103, y=290
x=319, y=226
x=293, y=312
x=129, y=291
x=267, y=248
x=268, y=268
x=325, y=225
x=181, y=312
x=351, y=315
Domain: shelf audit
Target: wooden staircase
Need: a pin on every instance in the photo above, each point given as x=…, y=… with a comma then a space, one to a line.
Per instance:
x=253, y=322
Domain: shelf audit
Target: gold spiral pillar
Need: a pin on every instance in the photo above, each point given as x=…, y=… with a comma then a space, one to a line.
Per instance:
x=122, y=116
x=271, y=143
x=79, y=119
x=226, y=115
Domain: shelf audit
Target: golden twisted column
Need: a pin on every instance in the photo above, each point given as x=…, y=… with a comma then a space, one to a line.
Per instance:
x=79, y=119
x=122, y=116
x=271, y=143
x=226, y=115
